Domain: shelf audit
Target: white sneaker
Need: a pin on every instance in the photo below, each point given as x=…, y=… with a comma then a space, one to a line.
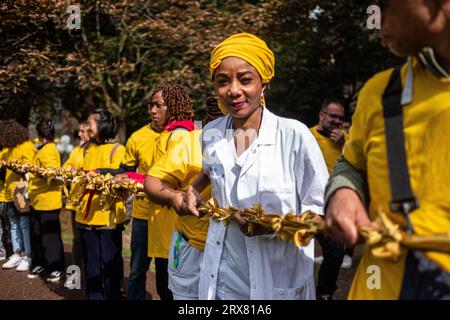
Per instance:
x=24, y=264
x=347, y=262
x=318, y=259
x=12, y=262
x=2, y=258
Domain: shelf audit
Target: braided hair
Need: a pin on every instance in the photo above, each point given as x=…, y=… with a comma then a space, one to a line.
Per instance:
x=179, y=105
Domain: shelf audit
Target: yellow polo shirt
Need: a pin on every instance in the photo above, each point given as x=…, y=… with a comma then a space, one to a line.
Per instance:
x=24, y=153
x=331, y=151
x=45, y=196
x=161, y=220
x=139, y=152
x=99, y=156
x=426, y=122
x=75, y=160
x=179, y=166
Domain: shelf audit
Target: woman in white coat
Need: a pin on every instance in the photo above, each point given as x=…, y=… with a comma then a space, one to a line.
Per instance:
x=253, y=156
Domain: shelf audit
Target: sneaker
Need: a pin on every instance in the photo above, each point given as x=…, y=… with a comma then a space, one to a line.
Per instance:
x=55, y=276
x=2, y=258
x=36, y=272
x=12, y=262
x=24, y=265
x=347, y=262
x=324, y=297
x=318, y=259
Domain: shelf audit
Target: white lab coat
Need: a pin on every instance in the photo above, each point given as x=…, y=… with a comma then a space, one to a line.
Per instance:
x=285, y=172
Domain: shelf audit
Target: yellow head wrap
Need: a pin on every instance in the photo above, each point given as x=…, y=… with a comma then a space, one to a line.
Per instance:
x=249, y=48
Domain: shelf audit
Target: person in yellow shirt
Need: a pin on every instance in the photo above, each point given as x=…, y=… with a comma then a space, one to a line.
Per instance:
x=76, y=157
x=166, y=182
x=15, y=137
x=139, y=157
x=101, y=229
x=331, y=138
x=45, y=206
x=171, y=108
x=398, y=148
x=75, y=161
x=329, y=132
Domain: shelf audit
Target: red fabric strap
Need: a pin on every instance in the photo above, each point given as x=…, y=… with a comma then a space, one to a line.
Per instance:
x=137, y=177
x=186, y=124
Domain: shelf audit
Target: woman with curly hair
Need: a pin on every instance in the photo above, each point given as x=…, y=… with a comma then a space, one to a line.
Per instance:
x=168, y=178
x=15, y=137
x=171, y=112
x=171, y=109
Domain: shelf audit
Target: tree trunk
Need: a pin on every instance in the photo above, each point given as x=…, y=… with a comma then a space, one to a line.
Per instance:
x=122, y=134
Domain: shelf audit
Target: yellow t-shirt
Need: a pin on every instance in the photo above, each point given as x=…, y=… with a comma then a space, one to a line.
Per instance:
x=99, y=156
x=24, y=153
x=76, y=158
x=179, y=166
x=45, y=196
x=139, y=152
x=161, y=220
x=331, y=151
x=426, y=122
x=2, y=182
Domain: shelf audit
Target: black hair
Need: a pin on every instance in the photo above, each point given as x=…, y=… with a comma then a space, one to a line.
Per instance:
x=106, y=125
x=212, y=110
x=46, y=129
x=326, y=102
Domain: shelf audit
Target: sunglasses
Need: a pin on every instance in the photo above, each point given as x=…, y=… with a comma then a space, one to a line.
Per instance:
x=334, y=116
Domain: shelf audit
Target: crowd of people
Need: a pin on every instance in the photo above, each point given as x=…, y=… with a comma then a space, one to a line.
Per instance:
x=394, y=158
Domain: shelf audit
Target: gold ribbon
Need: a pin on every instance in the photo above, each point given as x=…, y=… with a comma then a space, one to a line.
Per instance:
x=387, y=241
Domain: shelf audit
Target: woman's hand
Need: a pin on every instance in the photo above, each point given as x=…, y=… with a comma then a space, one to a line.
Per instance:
x=177, y=202
x=258, y=230
x=122, y=178
x=193, y=200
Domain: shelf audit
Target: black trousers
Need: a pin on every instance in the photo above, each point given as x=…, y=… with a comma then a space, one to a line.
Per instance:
x=162, y=279
x=103, y=263
x=77, y=257
x=47, y=248
x=333, y=254
x=5, y=232
x=424, y=280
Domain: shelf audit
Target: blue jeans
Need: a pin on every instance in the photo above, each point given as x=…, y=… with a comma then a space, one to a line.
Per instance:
x=20, y=229
x=140, y=262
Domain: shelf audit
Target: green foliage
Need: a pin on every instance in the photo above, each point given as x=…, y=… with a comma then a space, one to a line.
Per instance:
x=323, y=49
x=125, y=47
